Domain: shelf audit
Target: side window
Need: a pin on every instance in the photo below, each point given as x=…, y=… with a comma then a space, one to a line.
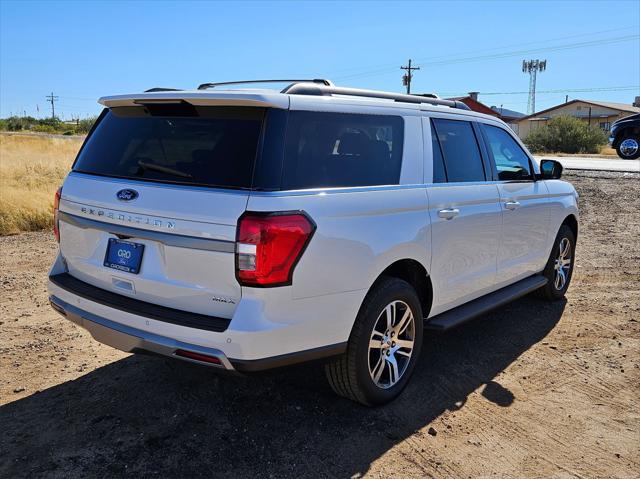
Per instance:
x=511, y=162
x=439, y=175
x=460, y=150
x=341, y=149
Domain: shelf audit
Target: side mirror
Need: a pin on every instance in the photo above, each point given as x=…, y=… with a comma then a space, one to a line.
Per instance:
x=550, y=170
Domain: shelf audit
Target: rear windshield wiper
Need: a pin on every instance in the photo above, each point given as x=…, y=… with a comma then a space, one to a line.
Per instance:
x=163, y=169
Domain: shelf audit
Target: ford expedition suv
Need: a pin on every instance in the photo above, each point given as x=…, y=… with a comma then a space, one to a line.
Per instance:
x=251, y=228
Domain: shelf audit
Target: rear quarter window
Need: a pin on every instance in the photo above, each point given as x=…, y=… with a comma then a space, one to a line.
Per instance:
x=341, y=149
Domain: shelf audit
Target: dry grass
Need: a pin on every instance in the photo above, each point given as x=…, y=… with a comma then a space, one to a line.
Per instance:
x=32, y=167
x=607, y=150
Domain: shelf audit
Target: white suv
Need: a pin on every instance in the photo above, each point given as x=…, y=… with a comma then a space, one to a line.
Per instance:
x=247, y=229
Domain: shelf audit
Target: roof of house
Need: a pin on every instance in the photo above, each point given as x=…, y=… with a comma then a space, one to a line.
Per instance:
x=505, y=112
x=475, y=105
x=605, y=104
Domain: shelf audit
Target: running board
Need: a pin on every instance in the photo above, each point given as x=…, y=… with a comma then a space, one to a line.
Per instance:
x=462, y=314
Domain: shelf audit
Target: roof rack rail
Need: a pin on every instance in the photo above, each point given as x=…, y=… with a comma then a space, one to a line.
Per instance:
x=159, y=88
x=321, y=81
x=323, y=90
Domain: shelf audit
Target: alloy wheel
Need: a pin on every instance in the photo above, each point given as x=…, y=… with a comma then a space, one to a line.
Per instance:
x=391, y=344
x=562, y=264
x=629, y=147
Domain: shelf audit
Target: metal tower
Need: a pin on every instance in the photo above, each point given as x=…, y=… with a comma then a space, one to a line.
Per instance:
x=532, y=67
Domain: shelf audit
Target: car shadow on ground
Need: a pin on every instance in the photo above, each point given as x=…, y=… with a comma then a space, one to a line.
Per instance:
x=153, y=417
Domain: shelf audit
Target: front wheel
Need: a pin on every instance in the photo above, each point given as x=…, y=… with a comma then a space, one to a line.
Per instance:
x=559, y=268
x=383, y=347
x=629, y=148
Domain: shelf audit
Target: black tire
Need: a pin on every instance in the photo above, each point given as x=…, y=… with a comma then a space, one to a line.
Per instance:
x=551, y=291
x=622, y=153
x=349, y=374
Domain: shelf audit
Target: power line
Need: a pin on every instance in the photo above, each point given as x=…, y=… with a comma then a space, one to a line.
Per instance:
x=406, y=78
x=571, y=90
x=566, y=46
x=513, y=45
x=561, y=90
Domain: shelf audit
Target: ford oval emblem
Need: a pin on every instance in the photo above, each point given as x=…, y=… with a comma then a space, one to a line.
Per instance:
x=127, y=195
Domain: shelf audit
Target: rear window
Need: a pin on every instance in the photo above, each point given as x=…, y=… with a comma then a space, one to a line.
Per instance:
x=340, y=149
x=462, y=158
x=209, y=146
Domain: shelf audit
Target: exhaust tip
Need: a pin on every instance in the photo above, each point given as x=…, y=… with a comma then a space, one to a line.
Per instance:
x=56, y=307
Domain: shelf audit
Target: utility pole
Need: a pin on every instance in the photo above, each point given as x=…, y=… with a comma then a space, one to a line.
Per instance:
x=52, y=99
x=406, y=78
x=532, y=67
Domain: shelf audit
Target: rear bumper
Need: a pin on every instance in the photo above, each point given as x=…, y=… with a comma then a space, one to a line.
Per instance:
x=136, y=340
x=132, y=340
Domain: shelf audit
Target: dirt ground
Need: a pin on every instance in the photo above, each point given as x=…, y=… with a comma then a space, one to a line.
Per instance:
x=531, y=390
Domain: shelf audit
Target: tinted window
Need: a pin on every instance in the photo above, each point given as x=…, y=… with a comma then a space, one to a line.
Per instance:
x=336, y=149
x=213, y=146
x=462, y=158
x=439, y=175
x=512, y=163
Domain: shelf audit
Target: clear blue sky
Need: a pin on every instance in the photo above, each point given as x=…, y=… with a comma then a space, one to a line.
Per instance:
x=83, y=50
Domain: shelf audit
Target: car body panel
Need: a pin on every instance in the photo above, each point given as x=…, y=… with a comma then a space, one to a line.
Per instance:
x=524, y=236
x=464, y=248
x=188, y=278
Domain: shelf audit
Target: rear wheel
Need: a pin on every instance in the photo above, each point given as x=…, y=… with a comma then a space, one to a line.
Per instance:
x=629, y=148
x=559, y=268
x=383, y=347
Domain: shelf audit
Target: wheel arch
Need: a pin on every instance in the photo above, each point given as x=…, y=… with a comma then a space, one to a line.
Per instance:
x=572, y=222
x=625, y=132
x=414, y=273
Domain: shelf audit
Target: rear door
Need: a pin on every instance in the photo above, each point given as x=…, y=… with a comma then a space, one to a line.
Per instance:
x=465, y=215
x=525, y=207
x=165, y=184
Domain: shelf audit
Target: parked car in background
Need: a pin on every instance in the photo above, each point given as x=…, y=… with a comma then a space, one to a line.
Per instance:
x=247, y=229
x=625, y=137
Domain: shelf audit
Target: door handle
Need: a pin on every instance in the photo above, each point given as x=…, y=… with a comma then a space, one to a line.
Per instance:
x=448, y=213
x=512, y=204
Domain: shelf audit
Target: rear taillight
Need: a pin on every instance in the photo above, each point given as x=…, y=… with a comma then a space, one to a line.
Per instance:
x=56, y=206
x=269, y=247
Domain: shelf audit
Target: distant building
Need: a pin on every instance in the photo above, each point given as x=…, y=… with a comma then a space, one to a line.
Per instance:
x=596, y=113
x=508, y=116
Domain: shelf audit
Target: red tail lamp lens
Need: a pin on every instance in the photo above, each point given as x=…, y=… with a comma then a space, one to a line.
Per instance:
x=269, y=247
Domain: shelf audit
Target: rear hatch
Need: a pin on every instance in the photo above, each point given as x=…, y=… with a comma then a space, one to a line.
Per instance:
x=151, y=206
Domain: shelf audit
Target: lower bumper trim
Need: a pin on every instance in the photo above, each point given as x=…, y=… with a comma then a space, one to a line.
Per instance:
x=131, y=340
x=248, y=366
x=137, y=307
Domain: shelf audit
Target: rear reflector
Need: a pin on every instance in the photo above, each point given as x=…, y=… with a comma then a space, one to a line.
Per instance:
x=205, y=358
x=56, y=206
x=269, y=246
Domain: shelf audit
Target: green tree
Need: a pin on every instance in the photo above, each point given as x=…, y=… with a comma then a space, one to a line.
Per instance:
x=566, y=134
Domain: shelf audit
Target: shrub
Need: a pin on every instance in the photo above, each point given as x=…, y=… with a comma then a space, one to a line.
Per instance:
x=85, y=125
x=47, y=125
x=566, y=134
